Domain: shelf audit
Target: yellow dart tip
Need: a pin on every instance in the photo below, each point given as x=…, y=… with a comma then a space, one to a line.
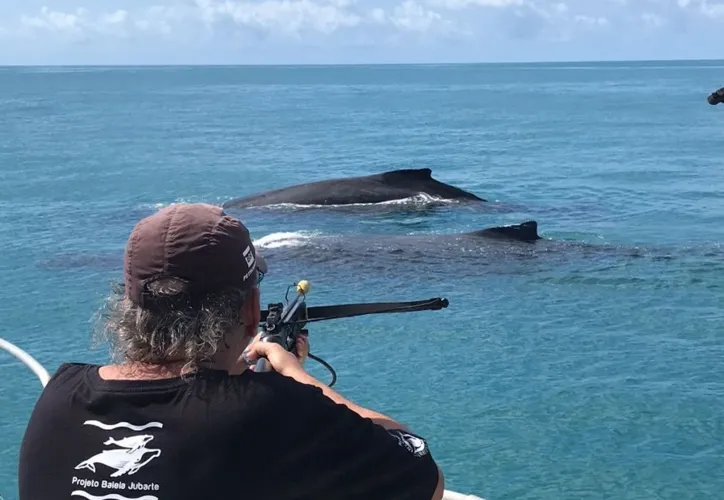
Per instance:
x=303, y=287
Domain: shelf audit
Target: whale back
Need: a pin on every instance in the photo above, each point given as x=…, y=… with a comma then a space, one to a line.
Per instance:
x=405, y=175
x=375, y=188
x=526, y=231
x=420, y=180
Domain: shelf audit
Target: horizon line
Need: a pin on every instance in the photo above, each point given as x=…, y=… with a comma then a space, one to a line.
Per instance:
x=333, y=64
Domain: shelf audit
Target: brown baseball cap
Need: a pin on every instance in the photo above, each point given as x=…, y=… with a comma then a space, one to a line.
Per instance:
x=197, y=243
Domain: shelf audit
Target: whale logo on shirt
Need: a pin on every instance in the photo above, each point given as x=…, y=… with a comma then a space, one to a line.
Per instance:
x=414, y=444
x=130, y=455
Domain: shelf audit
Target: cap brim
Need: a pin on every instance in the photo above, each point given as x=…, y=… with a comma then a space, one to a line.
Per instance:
x=260, y=263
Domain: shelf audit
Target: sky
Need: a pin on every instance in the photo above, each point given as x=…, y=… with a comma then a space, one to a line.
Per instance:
x=356, y=31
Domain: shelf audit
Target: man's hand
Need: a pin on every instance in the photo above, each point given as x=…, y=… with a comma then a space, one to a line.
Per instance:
x=281, y=360
x=302, y=348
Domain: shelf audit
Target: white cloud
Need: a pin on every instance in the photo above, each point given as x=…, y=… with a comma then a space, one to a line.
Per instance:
x=462, y=4
x=278, y=17
x=375, y=27
x=76, y=25
x=591, y=21
x=281, y=15
x=56, y=21
x=653, y=20
x=708, y=8
x=414, y=17
x=712, y=9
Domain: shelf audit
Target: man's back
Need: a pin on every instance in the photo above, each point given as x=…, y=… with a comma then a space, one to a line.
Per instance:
x=216, y=436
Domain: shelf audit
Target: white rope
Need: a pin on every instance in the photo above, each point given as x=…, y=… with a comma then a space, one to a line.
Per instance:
x=43, y=375
x=27, y=359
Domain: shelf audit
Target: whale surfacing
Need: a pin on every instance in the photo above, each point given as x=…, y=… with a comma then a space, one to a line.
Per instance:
x=526, y=231
x=368, y=189
x=716, y=97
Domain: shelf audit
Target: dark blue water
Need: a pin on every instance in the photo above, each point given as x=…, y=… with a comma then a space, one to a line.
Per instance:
x=587, y=367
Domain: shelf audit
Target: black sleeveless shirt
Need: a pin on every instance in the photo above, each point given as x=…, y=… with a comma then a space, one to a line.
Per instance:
x=211, y=437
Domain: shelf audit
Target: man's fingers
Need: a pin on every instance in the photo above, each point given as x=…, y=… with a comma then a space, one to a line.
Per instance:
x=302, y=348
x=254, y=350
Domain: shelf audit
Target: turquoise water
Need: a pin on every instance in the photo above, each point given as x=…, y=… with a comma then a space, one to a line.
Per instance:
x=587, y=367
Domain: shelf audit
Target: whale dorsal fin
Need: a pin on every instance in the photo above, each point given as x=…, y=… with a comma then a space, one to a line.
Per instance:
x=418, y=174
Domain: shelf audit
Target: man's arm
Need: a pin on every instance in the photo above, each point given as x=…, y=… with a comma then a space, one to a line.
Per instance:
x=357, y=453
x=440, y=490
x=376, y=417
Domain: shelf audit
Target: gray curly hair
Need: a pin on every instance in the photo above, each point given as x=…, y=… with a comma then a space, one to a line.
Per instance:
x=172, y=330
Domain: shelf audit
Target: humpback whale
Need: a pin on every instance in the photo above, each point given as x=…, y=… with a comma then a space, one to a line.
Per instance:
x=339, y=258
x=526, y=231
x=421, y=257
x=716, y=97
x=376, y=188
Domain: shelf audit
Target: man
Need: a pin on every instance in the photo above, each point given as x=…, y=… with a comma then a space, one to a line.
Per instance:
x=182, y=417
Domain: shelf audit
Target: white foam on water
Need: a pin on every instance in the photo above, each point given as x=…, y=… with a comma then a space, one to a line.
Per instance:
x=160, y=205
x=418, y=199
x=285, y=239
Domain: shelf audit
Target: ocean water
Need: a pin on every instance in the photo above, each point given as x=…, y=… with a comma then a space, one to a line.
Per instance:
x=587, y=366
